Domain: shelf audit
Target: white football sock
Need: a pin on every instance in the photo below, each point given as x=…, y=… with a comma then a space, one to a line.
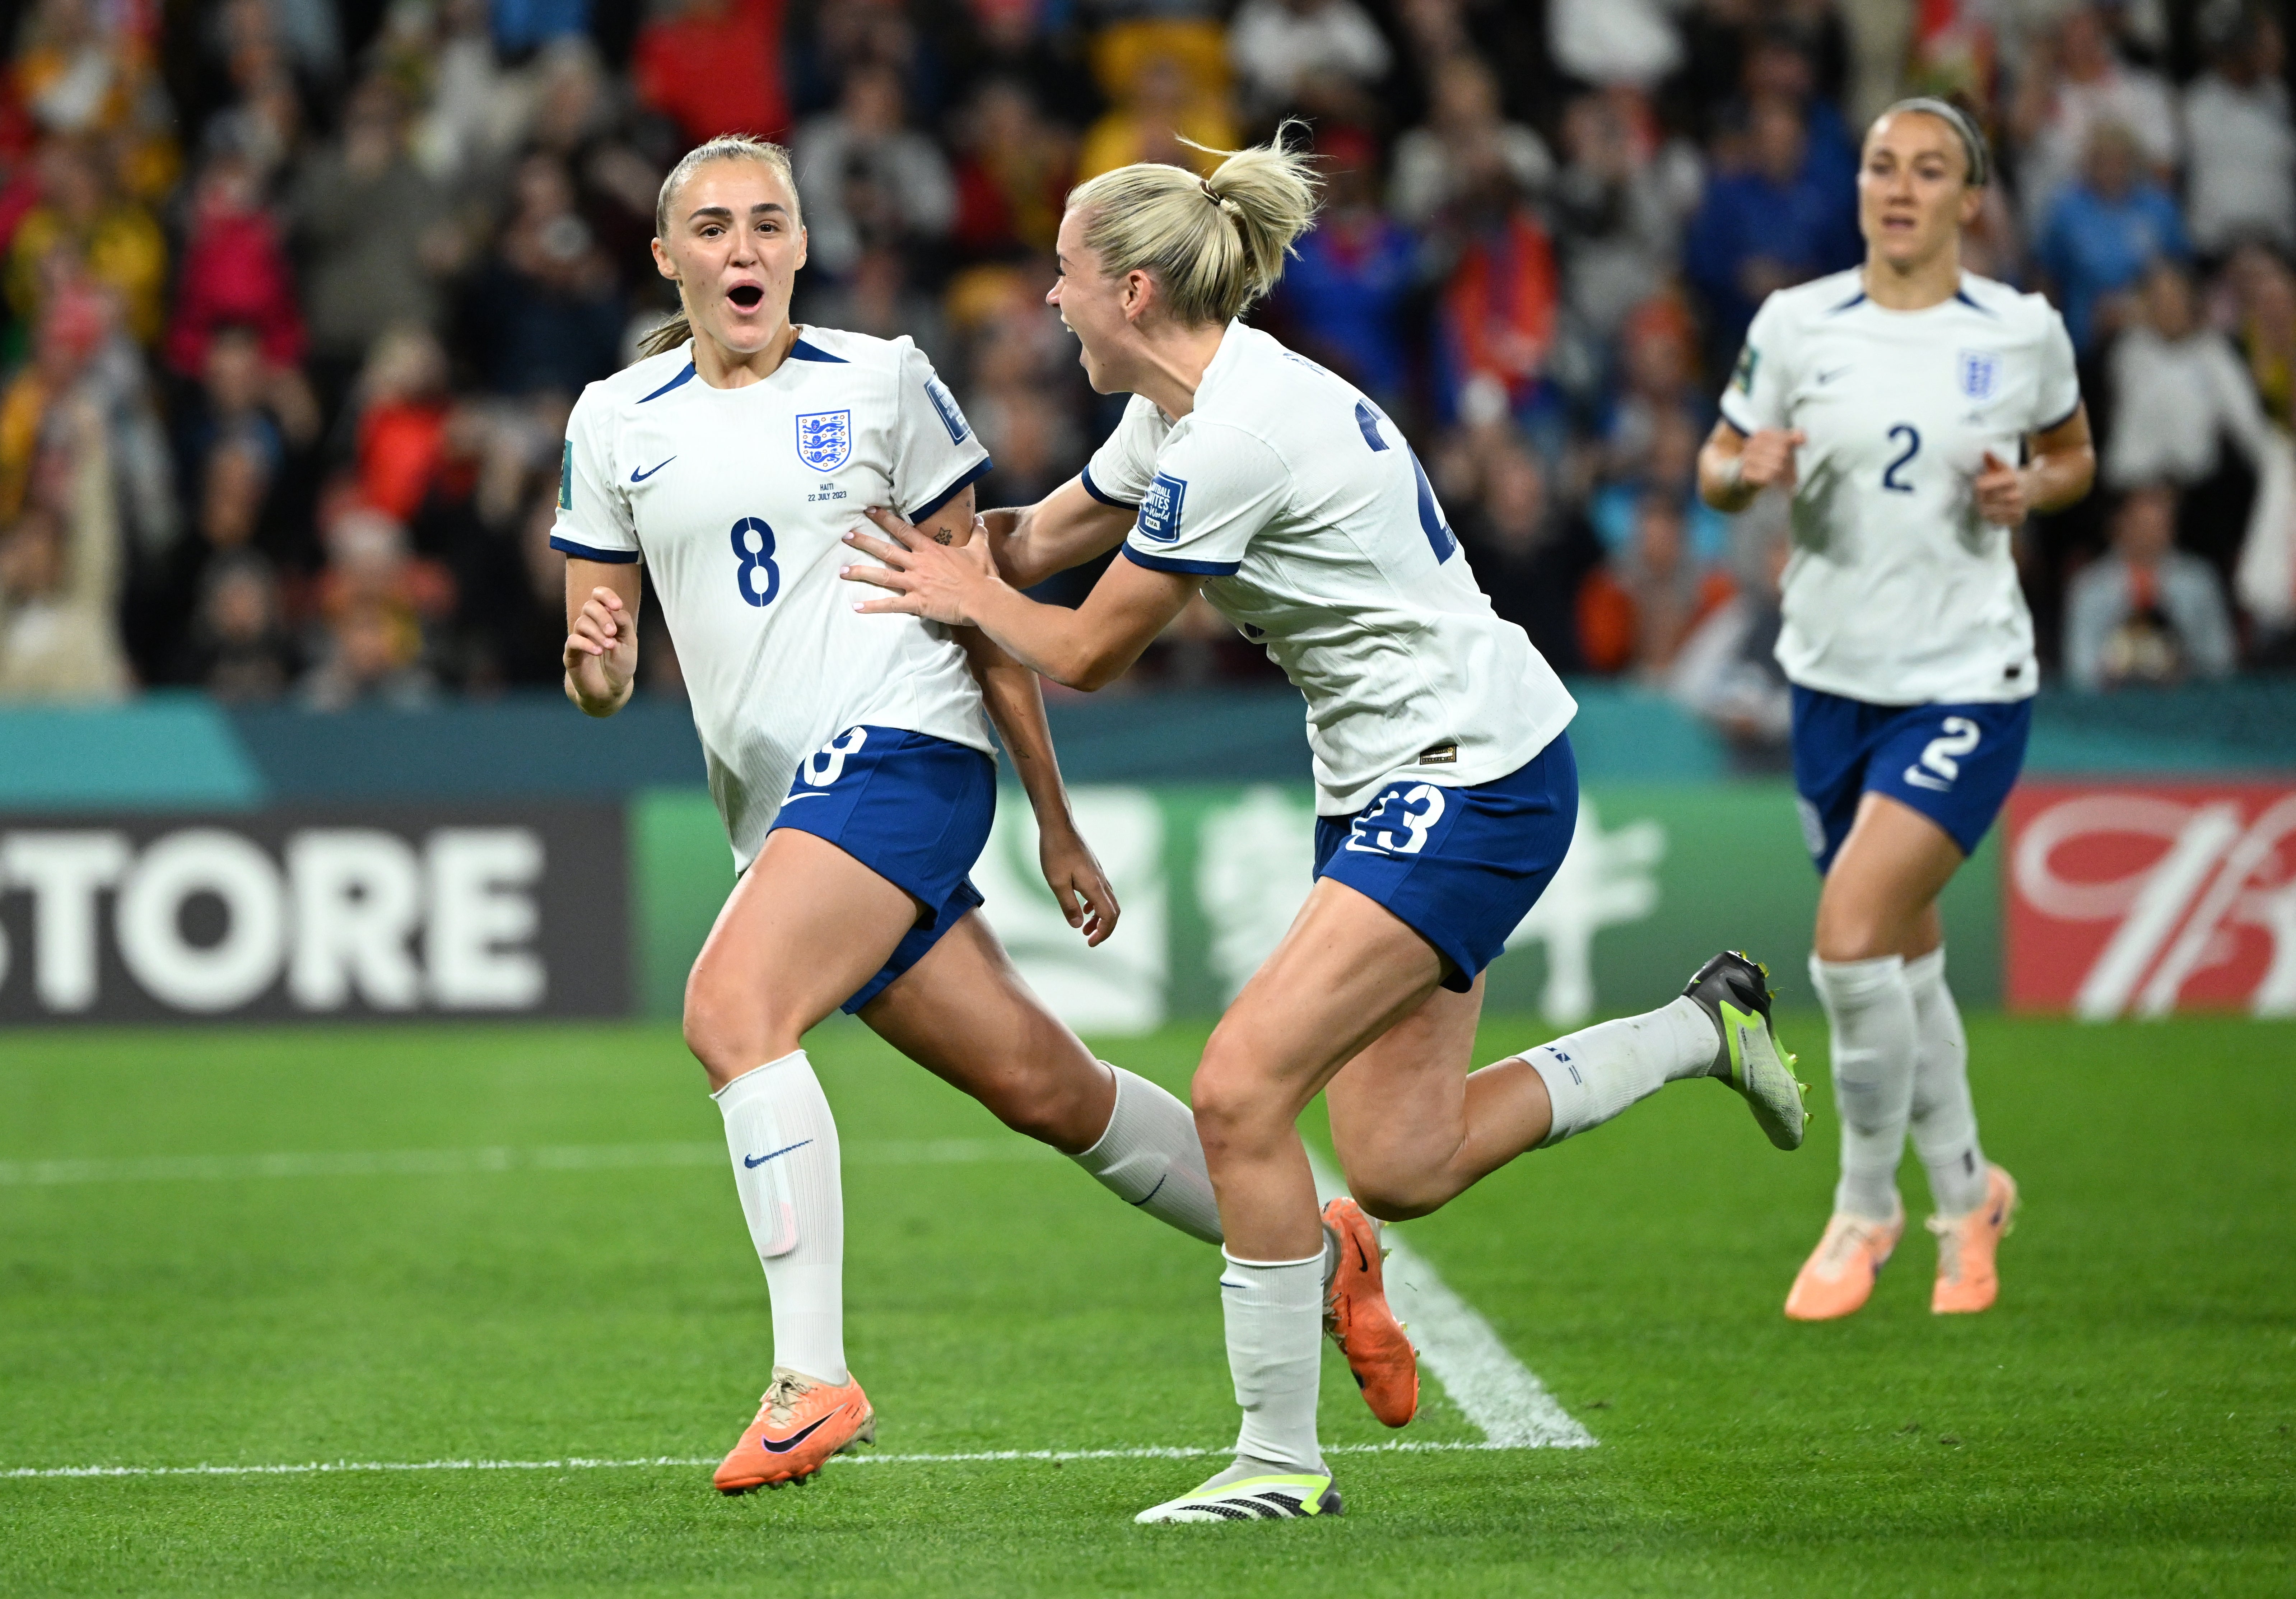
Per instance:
x=1871, y=1011
x=1944, y=1116
x=783, y=1141
x=1275, y=1316
x=1150, y=1157
x=1593, y=1074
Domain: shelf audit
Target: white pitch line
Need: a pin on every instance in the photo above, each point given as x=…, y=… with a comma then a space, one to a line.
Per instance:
x=578, y=1463
x=1498, y=1392
x=465, y=1162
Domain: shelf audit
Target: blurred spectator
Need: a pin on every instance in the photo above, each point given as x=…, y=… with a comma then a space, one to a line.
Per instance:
x=1777, y=67
x=1035, y=45
x=713, y=67
x=235, y=271
x=1728, y=673
x=1013, y=175
x=1635, y=612
x=1166, y=80
x=864, y=178
x=1342, y=301
x=402, y=424
x=1529, y=554
x=1497, y=304
x=88, y=71
x=1613, y=41
x=1777, y=222
x=2102, y=235
x=238, y=648
x=2073, y=85
x=1618, y=209
x=60, y=571
x=376, y=230
x=877, y=299
x=2179, y=392
x=1464, y=131
x=1319, y=57
x=2146, y=613
x=545, y=312
x=521, y=25
x=373, y=600
x=82, y=228
x=2266, y=315
x=2243, y=181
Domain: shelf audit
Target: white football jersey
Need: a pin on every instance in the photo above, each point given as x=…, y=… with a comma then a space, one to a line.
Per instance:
x=1319, y=536
x=738, y=499
x=1898, y=592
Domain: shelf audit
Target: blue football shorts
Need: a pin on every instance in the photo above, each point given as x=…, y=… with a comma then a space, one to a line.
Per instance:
x=915, y=809
x=1460, y=866
x=1954, y=764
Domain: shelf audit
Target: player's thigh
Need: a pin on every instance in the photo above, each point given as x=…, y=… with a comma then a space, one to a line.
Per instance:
x=1399, y=1108
x=804, y=928
x=1346, y=970
x=963, y=1013
x=1880, y=894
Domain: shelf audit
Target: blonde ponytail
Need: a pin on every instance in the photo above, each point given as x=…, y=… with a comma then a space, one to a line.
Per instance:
x=725, y=147
x=1214, y=245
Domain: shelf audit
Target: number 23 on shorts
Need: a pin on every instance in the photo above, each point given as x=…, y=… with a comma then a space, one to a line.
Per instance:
x=1399, y=822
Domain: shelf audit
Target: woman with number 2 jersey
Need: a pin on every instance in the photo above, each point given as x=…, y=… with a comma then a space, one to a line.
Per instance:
x=1445, y=789
x=1916, y=412
x=848, y=756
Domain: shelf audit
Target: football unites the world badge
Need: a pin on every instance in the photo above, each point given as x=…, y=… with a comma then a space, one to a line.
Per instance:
x=825, y=439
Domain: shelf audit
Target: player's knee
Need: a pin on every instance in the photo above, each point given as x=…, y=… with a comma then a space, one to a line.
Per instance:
x=728, y=1027
x=1232, y=1102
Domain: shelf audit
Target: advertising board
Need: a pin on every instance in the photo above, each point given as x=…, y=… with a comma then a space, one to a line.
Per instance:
x=370, y=911
x=2143, y=899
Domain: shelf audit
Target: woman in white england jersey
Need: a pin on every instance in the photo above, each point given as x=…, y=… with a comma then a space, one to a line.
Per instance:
x=847, y=754
x=1916, y=413
x=1446, y=789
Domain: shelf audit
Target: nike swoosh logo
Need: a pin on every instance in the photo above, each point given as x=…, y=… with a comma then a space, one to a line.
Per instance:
x=1152, y=1192
x=639, y=477
x=816, y=794
x=1827, y=377
x=784, y=1446
x=753, y=1162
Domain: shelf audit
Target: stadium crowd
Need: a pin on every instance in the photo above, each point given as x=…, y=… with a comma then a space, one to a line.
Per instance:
x=299, y=293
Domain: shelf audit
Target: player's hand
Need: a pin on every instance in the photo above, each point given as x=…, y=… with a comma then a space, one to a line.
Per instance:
x=2000, y=488
x=1767, y=459
x=927, y=578
x=1079, y=887
x=602, y=653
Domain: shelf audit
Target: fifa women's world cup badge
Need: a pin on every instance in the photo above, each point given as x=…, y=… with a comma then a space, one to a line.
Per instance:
x=825, y=439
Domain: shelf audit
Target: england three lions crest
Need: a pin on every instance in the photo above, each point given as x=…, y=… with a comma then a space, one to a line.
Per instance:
x=825, y=439
x=1981, y=374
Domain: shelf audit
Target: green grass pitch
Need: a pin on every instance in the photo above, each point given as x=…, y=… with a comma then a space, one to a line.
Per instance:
x=2119, y=1423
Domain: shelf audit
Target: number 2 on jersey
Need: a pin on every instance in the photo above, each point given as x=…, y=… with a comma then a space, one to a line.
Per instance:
x=756, y=576
x=1911, y=436
x=1439, y=537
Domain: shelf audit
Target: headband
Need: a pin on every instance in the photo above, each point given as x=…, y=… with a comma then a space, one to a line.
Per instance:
x=1973, y=140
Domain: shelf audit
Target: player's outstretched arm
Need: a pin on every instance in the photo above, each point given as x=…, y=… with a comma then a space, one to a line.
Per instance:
x=1015, y=700
x=601, y=633
x=1087, y=648
x=2061, y=465
x=1067, y=527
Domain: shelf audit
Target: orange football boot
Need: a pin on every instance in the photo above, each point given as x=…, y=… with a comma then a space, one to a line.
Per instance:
x=800, y=1424
x=1839, y=1276
x=1356, y=1318
x=1966, y=1280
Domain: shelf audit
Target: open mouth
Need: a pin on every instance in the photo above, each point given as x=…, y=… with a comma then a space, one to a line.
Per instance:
x=749, y=296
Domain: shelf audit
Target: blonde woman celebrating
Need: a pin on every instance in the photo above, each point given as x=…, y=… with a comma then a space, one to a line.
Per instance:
x=1445, y=787
x=848, y=755
x=1916, y=413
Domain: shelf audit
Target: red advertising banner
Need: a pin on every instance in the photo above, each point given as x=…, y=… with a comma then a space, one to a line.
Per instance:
x=2142, y=899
